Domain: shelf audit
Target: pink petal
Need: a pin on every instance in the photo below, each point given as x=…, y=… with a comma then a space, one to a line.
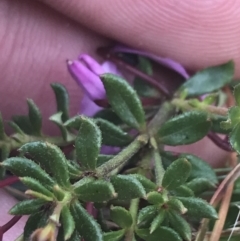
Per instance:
x=91, y=64
x=164, y=61
x=88, y=107
x=109, y=67
x=89, y=82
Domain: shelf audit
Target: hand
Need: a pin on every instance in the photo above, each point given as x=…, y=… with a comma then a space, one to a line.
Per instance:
x=37, y=37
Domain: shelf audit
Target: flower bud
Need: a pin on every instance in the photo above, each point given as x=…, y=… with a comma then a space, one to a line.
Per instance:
x=47, y=233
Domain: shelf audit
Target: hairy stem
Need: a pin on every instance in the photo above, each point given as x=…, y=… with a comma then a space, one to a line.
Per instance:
x=123, y=156
x=187, y=105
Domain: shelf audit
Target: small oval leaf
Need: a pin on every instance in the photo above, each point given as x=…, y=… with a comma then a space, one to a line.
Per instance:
x=67, y=222
x=88, y=143
x=176, y=174
x=36, y=186
x=180, y=225
x=50, y=157
x=176, y=205
x=112, y=135
x=114, y=235
x=185, y=129
x=124, y=101
x=87, y=226
x=157, y=221
x=94, y=190
x=155, y=198
x=127, y=187
x=199, y=185
x=204, y=81
x=121, y=217
x=35, y=117
x=234, y=138
x=168, y=234
x=147, y=214
x=27, y=207
x=198, y=208
x=62, y=99
x=23, y=167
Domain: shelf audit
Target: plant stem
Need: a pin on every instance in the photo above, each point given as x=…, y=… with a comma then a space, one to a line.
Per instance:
x=164, y=113
x=123, y=156
x=159, y=170
x=186, y=105
x=133, y=211
x=8, y=181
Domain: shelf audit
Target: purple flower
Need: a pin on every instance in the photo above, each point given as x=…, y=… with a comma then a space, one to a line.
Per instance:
x=171, y=64
x=86, y=71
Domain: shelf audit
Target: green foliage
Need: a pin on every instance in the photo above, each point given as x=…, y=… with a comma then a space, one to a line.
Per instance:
x=88, y=143
x=121, y=217
x=124, y=101
x=209, y=80
x=70, y=181
x=185, y=129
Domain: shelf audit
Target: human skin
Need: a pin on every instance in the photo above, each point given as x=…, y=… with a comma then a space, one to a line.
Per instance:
x=37, y=37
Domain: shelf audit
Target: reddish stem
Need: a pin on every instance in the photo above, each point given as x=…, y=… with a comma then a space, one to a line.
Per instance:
x=219, y=142
x=8, y=225
x=8, y=181
x=105, y=53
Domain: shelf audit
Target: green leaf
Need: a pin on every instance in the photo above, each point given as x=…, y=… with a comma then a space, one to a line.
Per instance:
x=198, y=207
x=140, y=85
x=234, y=115
x=15, y=127
x=50, y=157
x=217, y=124
x=209, y=79
x=176, y=205
x=121, y=217
x=75, y=236
x=127, y=187
x=35, y=117
x=2, y=132
x=124, y=101
x=88, y=143
x=36, y=220
x=183, y=191
x=200, y=168
x=199, y=185
x=236, y=93
x=234, y=138
x=87, y=226
x=147, y=184
x=147, y=214
x=176, y=174
x=185, y=129
x=90, y=190
x=27, y=207
x=157, y=221
x=114, y=235
x=62, y=100
x=57, y=119
x=168, y=234
x=23, y=167
x=155, y=198
x=24, y=123
x=112, y=135
x=180, y=225
x=67, y=222
x=36, y=186
x=109, y=115
x=103, y=158
x=5, y=152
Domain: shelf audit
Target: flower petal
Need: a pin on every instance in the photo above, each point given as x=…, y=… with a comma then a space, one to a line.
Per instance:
x=109, y=67
x=88, y=107
x=91, y=64
x=90, y=82
x=164, y=61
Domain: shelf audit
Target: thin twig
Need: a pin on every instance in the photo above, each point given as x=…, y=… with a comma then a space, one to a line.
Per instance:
x=219, y=142
x=8, y=181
